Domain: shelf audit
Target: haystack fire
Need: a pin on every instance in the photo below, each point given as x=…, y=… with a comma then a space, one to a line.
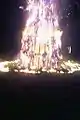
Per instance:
x=41, y=40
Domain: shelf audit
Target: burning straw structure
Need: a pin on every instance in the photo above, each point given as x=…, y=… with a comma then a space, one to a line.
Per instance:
x=41, y=41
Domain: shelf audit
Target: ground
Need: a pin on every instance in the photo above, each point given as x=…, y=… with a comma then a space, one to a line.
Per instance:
x=40, y=94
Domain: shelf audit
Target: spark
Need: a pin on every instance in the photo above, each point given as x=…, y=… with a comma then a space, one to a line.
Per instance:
x=70, y=49
x=21, y=7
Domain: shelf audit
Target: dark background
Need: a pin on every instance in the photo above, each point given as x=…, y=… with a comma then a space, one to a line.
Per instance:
x=12, y=22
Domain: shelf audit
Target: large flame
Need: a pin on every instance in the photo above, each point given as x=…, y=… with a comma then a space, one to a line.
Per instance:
x=41, y=41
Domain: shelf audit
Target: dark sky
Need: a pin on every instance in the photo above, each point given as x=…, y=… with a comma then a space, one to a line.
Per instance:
x=11, y=24
x=12, y=21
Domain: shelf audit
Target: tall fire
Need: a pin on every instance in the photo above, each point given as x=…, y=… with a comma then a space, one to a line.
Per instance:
x=41, y=41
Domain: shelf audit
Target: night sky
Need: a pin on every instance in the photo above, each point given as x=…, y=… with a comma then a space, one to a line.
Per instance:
x=12, y=22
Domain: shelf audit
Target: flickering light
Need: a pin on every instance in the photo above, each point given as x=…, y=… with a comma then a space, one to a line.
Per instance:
x=41, y=42
x=43, y=25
